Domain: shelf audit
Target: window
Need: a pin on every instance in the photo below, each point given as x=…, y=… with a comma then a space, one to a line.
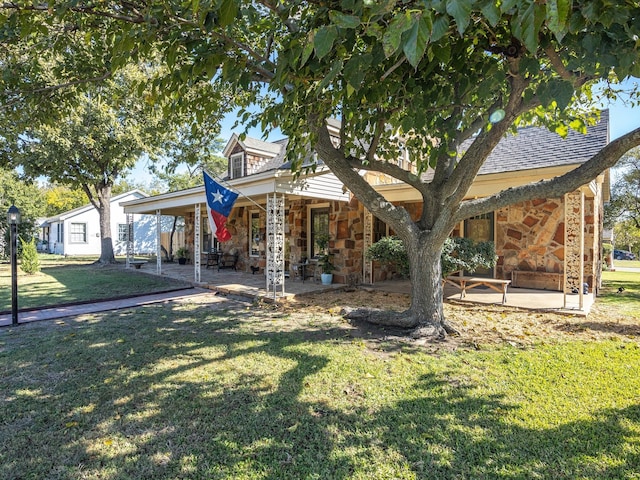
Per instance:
x=123, y=232
x=78, y=233
x=237, y=165
x=379, y=229
x=319, y=228
x=254, y=234
x=209, y=242
x=60, y=233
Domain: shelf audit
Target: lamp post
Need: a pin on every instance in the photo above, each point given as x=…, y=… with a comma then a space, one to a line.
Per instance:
x=13, y=219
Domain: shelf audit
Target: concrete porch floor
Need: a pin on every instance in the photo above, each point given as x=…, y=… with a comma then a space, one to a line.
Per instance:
x=254, y=286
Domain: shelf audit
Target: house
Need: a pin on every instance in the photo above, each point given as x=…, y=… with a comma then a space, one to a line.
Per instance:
x=77, y=231
x=540, y=243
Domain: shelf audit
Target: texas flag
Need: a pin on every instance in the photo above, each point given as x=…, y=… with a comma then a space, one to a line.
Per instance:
x=220, y=202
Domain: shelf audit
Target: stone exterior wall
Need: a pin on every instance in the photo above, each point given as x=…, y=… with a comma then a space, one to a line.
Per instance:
x=346, y=237
x=530, y=238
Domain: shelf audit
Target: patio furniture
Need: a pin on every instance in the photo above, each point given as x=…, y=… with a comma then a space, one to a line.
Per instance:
x=306, y=270
x=465, y=283
x=213, y=258
x=227, y=260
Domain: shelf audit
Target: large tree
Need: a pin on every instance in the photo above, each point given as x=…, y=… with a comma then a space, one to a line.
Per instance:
x=27, y=197
x=421, y=76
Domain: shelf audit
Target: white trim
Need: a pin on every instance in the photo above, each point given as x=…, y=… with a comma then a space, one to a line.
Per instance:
x=251, y=213
x=234, y=158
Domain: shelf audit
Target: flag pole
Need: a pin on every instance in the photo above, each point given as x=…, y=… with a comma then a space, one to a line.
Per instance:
x=233, y=189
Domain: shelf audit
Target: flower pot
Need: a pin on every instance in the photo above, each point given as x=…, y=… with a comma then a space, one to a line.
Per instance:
x=182, y=261
x=326, y=278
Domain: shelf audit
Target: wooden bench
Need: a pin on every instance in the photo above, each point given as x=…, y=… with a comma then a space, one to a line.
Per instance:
x=137, y=263
x=465, y=283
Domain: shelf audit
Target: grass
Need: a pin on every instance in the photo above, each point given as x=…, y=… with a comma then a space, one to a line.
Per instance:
x=228, y=390
x=626, y=301
x=72, y=280
x=627, y=263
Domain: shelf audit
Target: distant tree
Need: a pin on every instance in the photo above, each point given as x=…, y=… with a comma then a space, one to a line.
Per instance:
x=626, y=236
x=98, y=140
x=625, y=195
x=27, y=197
x=61, y=198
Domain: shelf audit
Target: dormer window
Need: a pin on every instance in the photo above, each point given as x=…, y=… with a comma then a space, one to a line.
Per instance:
x=236, y=164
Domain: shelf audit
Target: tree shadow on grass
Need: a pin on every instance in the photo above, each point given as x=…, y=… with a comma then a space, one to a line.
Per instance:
x=166, y=392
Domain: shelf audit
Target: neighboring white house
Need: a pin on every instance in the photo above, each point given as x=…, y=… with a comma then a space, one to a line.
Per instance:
x=77, y=231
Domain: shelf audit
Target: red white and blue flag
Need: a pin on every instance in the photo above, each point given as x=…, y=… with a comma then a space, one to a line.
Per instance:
x=220, y=201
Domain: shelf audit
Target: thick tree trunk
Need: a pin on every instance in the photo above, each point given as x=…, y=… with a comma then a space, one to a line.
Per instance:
x=106, y=241
x=426, y=290
x=425, y=316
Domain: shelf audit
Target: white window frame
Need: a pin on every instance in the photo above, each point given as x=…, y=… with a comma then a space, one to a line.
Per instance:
x=73, y=233
x=232, y=161
x=123, y=232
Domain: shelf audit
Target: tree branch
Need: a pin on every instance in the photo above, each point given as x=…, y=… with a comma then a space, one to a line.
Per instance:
x=556, y=187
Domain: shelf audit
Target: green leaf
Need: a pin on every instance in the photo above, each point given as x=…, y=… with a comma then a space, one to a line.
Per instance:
x=460, y=10
x=415, y=44
x=526, y=25
x=558, y=15
x=342, y=20
x=393, y=36
x=440, y=28
x=336, y=66
x=507, y=5
x=228, y=12
x=491, y=12
x=308, y=49
x=323, y=40
x=355, y=69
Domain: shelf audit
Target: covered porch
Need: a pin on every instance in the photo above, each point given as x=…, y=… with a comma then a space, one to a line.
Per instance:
x=252, y=286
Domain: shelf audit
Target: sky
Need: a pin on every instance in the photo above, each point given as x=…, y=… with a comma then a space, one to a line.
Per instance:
x=623, y=118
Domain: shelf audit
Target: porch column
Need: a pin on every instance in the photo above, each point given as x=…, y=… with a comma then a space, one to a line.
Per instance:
x=196, y=244
x=129, y=258
x=158, y=242
x=574, y=245
x=367, y=265
x=275, y=244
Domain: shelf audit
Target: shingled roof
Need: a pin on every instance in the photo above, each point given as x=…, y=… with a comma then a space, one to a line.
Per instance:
x=537, y=147
x=531, y=148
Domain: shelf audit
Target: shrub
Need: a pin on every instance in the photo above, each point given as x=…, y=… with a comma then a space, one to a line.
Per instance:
x=390, y=251
x=457, y=254
x=30, y=263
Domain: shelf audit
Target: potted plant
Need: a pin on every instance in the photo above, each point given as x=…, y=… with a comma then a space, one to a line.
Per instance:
x=183, y=254
x=324, y=260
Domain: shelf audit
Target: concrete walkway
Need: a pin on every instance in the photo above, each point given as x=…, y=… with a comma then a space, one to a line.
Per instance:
x=108, y=305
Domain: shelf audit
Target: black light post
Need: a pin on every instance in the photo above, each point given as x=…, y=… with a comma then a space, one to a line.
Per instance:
x=13, y=219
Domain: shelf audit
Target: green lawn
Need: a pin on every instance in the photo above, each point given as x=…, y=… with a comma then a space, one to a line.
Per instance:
x=627, y=300
x=76, y=280
x=246, y=391
x=235, y=391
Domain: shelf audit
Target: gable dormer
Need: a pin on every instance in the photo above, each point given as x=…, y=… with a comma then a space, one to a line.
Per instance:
x=248, y=156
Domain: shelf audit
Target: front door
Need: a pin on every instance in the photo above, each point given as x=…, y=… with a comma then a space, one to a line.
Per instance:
x=480, y=229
